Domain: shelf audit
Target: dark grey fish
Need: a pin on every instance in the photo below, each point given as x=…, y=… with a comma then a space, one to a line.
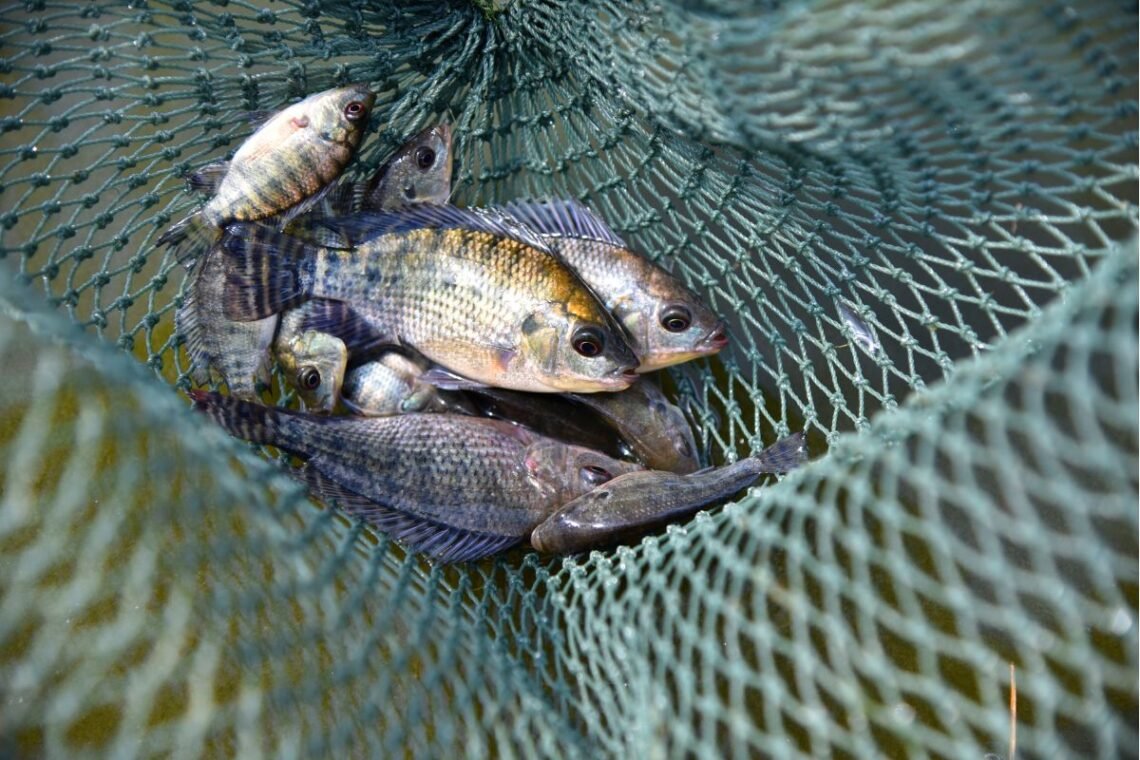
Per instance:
x=655, y=429
x=454, y=487
x=650, y=498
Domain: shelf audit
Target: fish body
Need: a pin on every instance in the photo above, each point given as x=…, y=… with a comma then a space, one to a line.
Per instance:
x=390, y=384
x=454, y=487
x=638, y=500
x=314, y=363
x=287, y=162
x=419, y=172
x=655, y=429
x=470, y=291
x=666, y=321
x=236, y=351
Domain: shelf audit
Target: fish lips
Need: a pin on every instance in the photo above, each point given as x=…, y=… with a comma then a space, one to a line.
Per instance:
x=711, y=343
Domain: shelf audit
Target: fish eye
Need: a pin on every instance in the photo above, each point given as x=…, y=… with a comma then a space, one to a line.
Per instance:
x=354, y=110
x=309, y=378
x=588, y=342
x=676, y=319
x=425, y=157
x=592, y=475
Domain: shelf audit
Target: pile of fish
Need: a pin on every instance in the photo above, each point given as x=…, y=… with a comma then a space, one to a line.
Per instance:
x=490, y=360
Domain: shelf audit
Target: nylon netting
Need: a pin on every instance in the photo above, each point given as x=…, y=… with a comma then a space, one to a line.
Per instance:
x=962, y=177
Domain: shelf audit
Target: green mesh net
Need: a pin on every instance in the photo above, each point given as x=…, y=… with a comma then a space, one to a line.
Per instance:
x=919, y=218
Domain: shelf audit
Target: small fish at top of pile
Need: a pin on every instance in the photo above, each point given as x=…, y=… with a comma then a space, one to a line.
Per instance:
x=491, y=359
x=282, y=167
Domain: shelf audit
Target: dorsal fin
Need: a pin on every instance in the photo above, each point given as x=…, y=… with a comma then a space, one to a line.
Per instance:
x=367, y=225
x=563, y=219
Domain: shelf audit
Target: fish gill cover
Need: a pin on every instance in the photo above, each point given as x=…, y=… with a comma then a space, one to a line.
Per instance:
x=919, y=219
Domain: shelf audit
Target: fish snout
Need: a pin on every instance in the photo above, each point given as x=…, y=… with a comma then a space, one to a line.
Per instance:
x=717, y=337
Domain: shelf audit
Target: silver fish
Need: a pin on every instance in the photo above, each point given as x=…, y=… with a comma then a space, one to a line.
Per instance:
x=861, y=333
x=666, y=322
x=391, y=385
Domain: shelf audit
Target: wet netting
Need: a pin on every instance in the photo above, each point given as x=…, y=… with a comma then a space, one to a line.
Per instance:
x=919, y=218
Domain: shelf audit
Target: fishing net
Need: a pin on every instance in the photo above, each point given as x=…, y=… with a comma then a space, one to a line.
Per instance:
x=919, y=219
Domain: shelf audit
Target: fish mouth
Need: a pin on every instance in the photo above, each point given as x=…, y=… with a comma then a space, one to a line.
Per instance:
x=715, y=340
x=621, y=378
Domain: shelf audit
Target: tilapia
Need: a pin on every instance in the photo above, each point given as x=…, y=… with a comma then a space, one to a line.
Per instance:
x=655, y=429
x=472, y=291
x=650, y=498
x=283, y=166
x=391, y=384
x=552, y=415
x=314, y=363
x=237, y=351
x=419, y=172
x=453, y=487
x=666, y=321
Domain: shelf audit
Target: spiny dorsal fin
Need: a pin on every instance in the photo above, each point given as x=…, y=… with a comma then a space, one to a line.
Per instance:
x=563, y=219
x=367, y=225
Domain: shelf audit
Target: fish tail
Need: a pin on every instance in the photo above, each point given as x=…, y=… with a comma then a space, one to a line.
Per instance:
x=267, y=272
x=189, y=325
x=784, y=455
x=189, y=238
x=242, y=419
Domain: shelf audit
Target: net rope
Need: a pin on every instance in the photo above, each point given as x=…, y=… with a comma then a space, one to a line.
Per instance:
x=961, y=179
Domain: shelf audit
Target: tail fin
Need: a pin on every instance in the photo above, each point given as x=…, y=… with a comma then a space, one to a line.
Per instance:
x=267, y=272
x=784, y=455
x=189, y=238
x=251, y=422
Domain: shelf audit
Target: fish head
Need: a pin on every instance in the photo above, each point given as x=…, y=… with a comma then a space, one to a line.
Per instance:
x=669, y=421
x=566, y=471
x=314, y=363
x=669, y=323
x=337, y=116
x=419, y=172
x=340, y=116
x=566, y=350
